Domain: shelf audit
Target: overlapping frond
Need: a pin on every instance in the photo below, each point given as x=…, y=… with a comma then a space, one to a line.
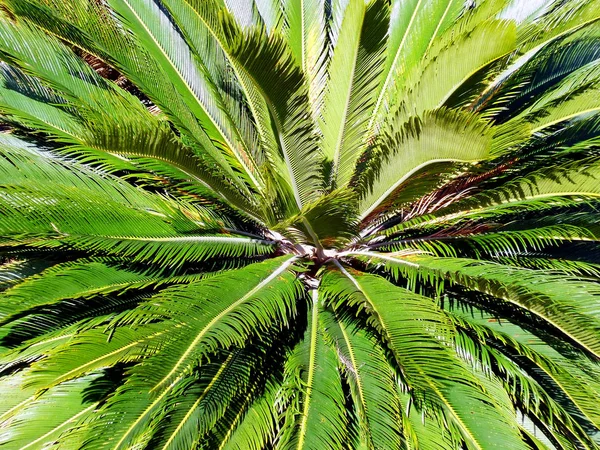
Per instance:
x=49, y=203
x=414, y=27
x=100, y=34
x=403, y=149
x=316, y=418
x=89, y=115
x=354, y=73
x=286, y=93
x=206, y=22
x=460, y=57
x=441, y=384
x=517, y=343
x=305, y=33
x=371, y=381
x=569, y=304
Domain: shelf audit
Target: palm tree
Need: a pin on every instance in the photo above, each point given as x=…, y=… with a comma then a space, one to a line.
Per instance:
x=320, y=224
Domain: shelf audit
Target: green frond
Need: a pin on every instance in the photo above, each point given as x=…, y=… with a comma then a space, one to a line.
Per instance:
x=425, y=431
x=492, y=216
x=531, y=91
x=223, y=396
x=504, y=242
x=206, y=187
x=98, y=33
x=559, y=20
x=459, y=57
x=572, y=268
x=14, y=271
x=205, y=22
x=90, y=127
x=246, y=14
x=546, y=363
x=569, y=185
x=403, y=149
x=154, y=32
x=568, y=304
x=561, y=105
x=442, y=384
x=48, y=59
x=371, y=380
x=78, y=279
x=257, y=426
x=174, y=319
x=175, y=420
x=69, y=210
x=354, y=73
x=305, y=34
x=414, y=27
x=270, y=12
x=23, y=164
x=316, y=418
x=286, y=93
x=43, y=420
x=179, y=250
x=267, y=295
x=20, y=106
x=69, y=356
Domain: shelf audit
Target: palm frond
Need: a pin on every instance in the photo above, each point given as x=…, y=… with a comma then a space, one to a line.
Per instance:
x=304, y=31
x=13, y=271
x=371, y=381
x=567, y=304
x=148, y=341
x=403, y=149
x=156, y=34
x=79, y=279
x=514, y=342
x=223, y=394
x=425, y=430
x=332, y=220
x=568, y=62
x=316, y=419
x=459, y=57
x=92, y=127
x=276, y=289
x=502, y=242
x=203, y=22
x=557, y=21
x=286, y=94
x=100, y=34
x=442, y=385
x=271, y=13
x=257, y=427
x=542, y=189
x=414, y=26
x=348, y=105
x=50, y=418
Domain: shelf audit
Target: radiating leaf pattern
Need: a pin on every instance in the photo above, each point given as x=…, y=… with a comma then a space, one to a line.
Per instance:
x=299, y=224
